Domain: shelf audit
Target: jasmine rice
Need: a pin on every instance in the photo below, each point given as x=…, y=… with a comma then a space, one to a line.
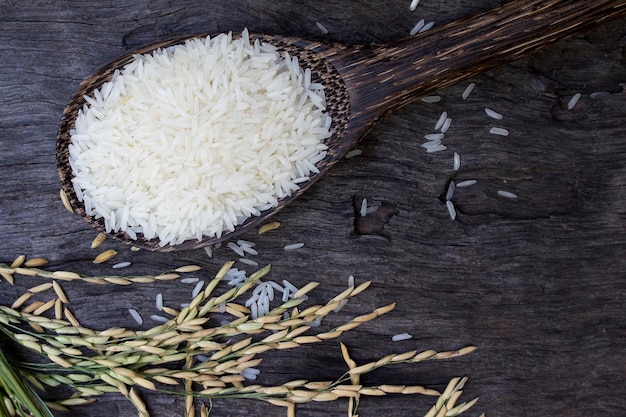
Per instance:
x=191, y=140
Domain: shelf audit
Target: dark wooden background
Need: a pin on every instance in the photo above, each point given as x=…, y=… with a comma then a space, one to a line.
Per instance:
x=537, y=284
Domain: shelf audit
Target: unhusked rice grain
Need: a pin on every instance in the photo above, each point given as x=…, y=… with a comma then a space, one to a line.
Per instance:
x=190, y=140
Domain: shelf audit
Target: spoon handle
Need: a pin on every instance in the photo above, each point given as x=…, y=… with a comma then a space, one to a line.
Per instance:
x=381, y=78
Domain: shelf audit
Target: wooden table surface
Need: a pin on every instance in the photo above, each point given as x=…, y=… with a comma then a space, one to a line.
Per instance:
x=537, y=283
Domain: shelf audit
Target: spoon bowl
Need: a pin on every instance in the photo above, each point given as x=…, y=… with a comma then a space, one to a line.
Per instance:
x=365, y=82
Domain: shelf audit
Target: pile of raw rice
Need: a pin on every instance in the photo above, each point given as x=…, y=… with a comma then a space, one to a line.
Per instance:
x=191, y=140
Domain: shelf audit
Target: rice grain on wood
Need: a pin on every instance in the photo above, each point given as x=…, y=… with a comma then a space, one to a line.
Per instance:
x=191, y=140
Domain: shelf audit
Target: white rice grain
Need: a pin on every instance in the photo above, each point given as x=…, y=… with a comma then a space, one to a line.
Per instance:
x=427, y=26
x=446, y=125
x=434, y=136
x=197, y=289
x=135, y=315
x=441, y=120
x=293, y=246
x=499, y=131
x=363, y=211
x=189, y=280
x=507, y=194
x=159, y=301
x=431, y=99
x=401, y=336
x=158, y=318
x=418, y=26
x=437, y=148
x=457, y=162
x=353, y=153
x=120, y=265
x=351, y=281
x=468, y=90
x=493, y=114
x=431, y=144
x=450, y=191
x=208, y=251
x=572, y=101
x=451, y=209
x=465, y=183
x=321, y=27
x=413, y=5
x=235, y=248
x=248, y=261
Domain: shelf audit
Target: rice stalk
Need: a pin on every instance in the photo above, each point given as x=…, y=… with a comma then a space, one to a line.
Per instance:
x=119, y=359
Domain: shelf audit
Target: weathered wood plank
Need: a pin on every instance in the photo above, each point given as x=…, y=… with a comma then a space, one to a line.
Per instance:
x=536, y=283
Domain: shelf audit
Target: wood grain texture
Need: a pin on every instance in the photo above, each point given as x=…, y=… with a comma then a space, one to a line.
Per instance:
x=536, y=283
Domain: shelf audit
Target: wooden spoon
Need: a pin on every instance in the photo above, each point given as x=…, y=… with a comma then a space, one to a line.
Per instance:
x=365, y=82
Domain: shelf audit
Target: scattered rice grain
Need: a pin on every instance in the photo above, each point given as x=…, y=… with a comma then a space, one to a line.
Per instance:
x=468, y=90
x=465, y=183
x=248, y=261
x=441, y=120
x=401, y=336
x=233, y=246
x=506, y=194
x=457, y=162
x=598, y=94
x=121, y=265
x=427, y=26
x=158, y=318
x=499, y=131
x=413, y=5
x=189, y=280
x=159, y=301
x=430, y=99
x=321, y=27
x=363, y=211
x=434, y=136
x=353, y=153
x=66, y=202
x=104, y=256
x=36, y=262
x=293, y=246
x=451, y=209
x=493, y=114
x=438, y=148
x=197, y=289
x=446, y=125
x=135, y=315
x=416, y=29
x=450, y=192
x=268, y=227
x=572, y=102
